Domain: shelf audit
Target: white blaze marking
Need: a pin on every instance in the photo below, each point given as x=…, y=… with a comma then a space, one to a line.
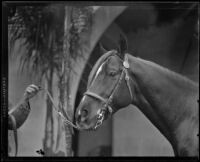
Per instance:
x=83, y=98
x=79, y=112
x=99, y=70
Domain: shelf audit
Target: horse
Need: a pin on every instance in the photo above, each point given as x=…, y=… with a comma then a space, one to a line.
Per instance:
x=166, y=98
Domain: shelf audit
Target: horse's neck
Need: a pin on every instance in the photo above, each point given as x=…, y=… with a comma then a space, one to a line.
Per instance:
x=165, y=95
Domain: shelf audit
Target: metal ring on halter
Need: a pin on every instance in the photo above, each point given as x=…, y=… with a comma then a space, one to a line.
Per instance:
x=100, y=119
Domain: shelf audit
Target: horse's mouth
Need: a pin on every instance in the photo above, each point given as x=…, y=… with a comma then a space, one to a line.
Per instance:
x=92, y=126
x=91, y=129
x=88, y=128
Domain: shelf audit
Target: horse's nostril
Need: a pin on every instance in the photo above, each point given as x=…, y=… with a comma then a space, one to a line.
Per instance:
x=78, y=118
x=84, y=113
x=82, y=116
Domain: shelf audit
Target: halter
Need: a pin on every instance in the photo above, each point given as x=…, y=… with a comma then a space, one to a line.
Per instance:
x=107, y=102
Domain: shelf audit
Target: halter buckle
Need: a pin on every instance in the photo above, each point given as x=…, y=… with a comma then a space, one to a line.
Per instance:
x=110, y=109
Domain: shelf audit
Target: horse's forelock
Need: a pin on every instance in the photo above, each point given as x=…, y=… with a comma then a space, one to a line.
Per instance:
x=98, y=64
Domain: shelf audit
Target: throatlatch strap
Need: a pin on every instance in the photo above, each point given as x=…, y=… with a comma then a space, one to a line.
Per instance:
x=127, y=78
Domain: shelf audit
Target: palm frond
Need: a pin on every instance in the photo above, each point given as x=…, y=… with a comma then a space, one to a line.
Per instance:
x=41, y=28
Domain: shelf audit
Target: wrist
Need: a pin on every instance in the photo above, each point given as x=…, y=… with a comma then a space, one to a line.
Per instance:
x=25, y=99
x=25, y=103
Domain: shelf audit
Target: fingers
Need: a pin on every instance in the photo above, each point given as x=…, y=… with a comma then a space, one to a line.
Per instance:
x=31, y=91
x=32, y=88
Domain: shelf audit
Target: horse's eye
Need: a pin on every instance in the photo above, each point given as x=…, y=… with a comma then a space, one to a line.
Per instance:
x=112, y=73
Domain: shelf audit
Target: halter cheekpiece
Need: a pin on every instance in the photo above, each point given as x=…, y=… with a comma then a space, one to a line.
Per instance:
x=107, y=102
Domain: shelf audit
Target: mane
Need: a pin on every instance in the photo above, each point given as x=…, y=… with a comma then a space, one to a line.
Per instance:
x=99, y=62
x=176, y=76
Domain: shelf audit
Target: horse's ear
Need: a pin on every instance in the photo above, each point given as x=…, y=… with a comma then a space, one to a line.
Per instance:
x=102, y=49
x=123, y=46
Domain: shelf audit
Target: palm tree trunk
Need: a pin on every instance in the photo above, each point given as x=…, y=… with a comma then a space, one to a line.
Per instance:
x=77, y=20
x=65, y=85
x=48, y=141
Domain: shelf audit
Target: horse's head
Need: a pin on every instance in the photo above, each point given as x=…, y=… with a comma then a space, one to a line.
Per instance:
x=107, y=91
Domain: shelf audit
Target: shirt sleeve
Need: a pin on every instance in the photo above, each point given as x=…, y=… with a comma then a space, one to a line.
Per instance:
x=20, y=114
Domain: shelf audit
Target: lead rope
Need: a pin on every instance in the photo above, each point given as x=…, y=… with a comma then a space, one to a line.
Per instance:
x=66, y=121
